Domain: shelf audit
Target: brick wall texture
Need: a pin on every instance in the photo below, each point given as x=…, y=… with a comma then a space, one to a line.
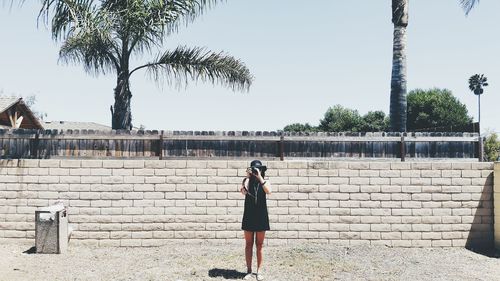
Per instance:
x=156, y=202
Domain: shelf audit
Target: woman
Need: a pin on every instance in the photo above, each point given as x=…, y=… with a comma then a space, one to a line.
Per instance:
x=255, y=217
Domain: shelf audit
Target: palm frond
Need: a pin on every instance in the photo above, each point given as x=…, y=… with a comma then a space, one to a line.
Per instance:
x=91, y=41
x=66, y=15
x=153, y=20
x=93, y=52
x=477, y=82
x=467, y=5
x=184, y=64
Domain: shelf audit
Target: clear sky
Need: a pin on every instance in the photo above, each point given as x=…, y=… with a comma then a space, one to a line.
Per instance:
x=305, y=55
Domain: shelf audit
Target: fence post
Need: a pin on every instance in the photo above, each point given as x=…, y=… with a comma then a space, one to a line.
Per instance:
x=481, y=149
x=36, y=143
x=402, y=148
x=160, y=146
x=282, y=147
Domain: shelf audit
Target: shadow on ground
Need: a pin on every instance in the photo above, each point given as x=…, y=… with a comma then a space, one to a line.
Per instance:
x=226, y=273
x=489, y=252
x=31, y=250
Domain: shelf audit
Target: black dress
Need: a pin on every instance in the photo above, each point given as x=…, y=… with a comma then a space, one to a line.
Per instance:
x=255, y=217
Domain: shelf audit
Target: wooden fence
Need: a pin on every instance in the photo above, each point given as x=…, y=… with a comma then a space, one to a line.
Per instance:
x=17, y=144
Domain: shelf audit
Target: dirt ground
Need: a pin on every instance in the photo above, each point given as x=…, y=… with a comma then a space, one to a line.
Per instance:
x=226, y=262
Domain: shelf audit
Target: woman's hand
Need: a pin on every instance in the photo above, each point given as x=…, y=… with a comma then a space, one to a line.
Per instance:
x=259, y=176
x=243, y=190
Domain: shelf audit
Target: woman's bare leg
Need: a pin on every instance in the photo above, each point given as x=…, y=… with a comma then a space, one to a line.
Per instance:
x=249, y=238
x=259, y=242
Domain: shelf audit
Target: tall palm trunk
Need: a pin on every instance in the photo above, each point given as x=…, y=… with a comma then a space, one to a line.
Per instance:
x=398, y=79
x=121, y=111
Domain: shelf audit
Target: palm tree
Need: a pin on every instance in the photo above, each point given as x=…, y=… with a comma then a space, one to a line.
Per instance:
x=476, y=84
x=468, y=5
x=104, y=35
x=398, y=78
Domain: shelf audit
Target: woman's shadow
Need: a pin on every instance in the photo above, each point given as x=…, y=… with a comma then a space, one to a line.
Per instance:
x=226, y=273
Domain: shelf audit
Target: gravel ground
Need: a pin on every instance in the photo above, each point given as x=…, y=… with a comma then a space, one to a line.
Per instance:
x=226, y=262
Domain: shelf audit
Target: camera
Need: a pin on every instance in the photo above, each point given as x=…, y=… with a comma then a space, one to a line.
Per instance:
x=254, y=170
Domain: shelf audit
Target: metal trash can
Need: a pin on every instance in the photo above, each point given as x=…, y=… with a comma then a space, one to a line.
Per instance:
x=51, y=229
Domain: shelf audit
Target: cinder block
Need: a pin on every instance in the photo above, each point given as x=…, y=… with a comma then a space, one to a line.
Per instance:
x=144, y=172
x=112, y=163
x=338, y=181
x=91, y=163
x=348, y=173
x=176, y=164
x=441, y=243
x=298, y=180
x=461, y=166
x=441, y=166
x=154, y=195
x=441, y=197
x=349, y=188
x=239, y=164
x=322, y=173
x=38, y=171
x=101, y=172
x=80, y=172
x=359, y=166
x=380, y=166
x=133, y=179
x=359, y=181
x=338, y=165
x=49, y=163
x=471, y=174
x=58, y=172
x=390, y=173
x=400, y=166
x=441, y=181
x=451, y=173
x=308, y=173
x=164, y=172
x=133, y=164
x=430, y=173
x=66, y=163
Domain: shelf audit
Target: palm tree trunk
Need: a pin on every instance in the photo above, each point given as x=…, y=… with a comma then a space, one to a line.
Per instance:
x=121, y=112
x=398, y=78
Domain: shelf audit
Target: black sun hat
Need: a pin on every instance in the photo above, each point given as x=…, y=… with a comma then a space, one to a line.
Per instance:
x=258, y=164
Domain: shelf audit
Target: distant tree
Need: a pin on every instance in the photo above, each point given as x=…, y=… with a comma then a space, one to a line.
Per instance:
x=30, y=102
x=435, y=108
x=298, y=127
x=492, y=148
x=341, y=119
x=375, y=121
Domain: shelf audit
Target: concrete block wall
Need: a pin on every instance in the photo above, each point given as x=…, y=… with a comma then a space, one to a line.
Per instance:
x=496, y=203
x=156, y=202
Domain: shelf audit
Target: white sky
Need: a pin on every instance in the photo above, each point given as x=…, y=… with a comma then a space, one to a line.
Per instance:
x=305, y=55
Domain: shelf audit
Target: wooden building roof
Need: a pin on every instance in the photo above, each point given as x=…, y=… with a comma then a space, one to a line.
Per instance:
x=14, y=113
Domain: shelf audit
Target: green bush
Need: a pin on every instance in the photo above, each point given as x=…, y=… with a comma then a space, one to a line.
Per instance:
x=298, y=127
x=492, y=148
x=432, y=108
